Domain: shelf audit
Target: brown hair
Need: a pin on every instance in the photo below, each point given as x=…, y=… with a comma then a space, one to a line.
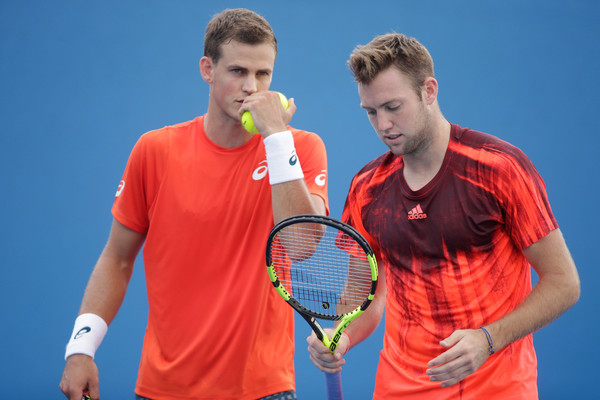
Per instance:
x=238, y=24
x=405, y=53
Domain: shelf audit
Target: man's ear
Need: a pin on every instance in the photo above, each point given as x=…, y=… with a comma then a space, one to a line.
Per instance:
x=430, y=90
x=206, y=69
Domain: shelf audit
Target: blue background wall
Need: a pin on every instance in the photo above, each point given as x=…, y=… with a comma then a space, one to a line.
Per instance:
x=80, y=81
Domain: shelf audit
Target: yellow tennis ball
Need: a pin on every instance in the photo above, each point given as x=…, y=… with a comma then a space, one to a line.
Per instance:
x=247, y=121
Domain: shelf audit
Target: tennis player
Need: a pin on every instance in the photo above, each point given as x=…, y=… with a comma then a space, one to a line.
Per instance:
x=202, y=197
x=456, y=217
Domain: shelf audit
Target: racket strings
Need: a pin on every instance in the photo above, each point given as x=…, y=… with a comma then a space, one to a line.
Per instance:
x=325, y=270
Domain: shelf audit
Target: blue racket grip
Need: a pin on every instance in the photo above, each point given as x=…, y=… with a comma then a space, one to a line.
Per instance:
x=334, y=386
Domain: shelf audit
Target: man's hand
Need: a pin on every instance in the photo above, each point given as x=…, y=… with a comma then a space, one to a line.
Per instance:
x=80, y=373
x=468, y=350
x=268, y=114
x=322, y=357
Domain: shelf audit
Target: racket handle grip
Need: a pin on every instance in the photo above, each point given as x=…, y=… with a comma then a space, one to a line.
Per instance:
x=85, y=395
x=334, y=386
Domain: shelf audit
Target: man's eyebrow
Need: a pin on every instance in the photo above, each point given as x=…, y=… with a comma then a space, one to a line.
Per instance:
x=380, y=105
x=235, y=66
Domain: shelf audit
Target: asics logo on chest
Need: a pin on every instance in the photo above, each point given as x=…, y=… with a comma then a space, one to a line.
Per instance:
x=260, y=172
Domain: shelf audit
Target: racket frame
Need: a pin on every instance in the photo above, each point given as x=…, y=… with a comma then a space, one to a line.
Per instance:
x=309, y=315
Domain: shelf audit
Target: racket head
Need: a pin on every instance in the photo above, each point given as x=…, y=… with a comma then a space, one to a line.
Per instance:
x=322, y=267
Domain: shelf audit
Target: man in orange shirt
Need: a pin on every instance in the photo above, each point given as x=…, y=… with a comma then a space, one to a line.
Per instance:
x=202, y=196
x=456, y=217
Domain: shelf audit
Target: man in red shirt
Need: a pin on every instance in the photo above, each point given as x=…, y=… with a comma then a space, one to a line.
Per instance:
x=202, y=197
x=456, y=217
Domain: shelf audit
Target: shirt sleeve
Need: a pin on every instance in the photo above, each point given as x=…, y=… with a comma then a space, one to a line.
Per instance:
x=522, y=194
x=352, y=213
x=140, y=182
x=313, y=159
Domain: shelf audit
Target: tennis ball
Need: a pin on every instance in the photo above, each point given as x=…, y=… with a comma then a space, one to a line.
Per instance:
x=247, y=117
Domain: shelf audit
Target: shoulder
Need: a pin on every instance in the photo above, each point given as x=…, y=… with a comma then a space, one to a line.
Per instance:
x=168, y=132
x=158, y=142
x=487, y=148
x=377, y=171
x=302, y=136
x=308, y=144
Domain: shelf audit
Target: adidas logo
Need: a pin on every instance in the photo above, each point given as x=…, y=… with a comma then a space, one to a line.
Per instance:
x=417, y=213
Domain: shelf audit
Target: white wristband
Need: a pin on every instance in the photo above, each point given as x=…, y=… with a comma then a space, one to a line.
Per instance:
x=87, y=335
x=282, y=161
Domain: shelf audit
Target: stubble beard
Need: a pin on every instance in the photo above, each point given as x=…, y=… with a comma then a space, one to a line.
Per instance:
x=421, y=140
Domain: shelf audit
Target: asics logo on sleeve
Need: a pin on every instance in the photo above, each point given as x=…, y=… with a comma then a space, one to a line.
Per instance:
x=293, y=159
x=120, y=188
x=321, y=178
x=81, y=332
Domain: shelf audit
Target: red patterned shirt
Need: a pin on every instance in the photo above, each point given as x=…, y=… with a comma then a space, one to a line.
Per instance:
x=453, y=260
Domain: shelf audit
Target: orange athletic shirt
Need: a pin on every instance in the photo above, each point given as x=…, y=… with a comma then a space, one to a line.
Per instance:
x=453, y=260
x=217, y=329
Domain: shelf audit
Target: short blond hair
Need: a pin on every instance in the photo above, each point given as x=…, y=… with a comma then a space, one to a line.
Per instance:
x=392, y=49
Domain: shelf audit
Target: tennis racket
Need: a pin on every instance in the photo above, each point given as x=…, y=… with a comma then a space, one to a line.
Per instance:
x=85, y=395
x=324, y=269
